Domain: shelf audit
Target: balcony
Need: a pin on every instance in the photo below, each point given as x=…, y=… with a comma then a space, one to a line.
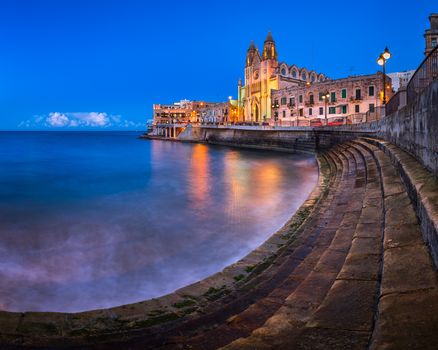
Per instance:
x=356, y=98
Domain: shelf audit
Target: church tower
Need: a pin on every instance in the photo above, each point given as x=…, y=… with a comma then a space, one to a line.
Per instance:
x=269, y=49
x=261, y=77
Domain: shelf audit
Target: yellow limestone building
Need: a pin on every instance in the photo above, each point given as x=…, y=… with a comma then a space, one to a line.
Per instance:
x=263, y=73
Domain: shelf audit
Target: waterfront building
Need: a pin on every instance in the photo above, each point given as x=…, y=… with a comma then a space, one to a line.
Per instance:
x=348, y=100
x=263, y=74
x=182, y=112
x=431, y=34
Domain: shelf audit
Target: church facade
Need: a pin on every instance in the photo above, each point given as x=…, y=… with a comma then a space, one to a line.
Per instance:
x=263, y=74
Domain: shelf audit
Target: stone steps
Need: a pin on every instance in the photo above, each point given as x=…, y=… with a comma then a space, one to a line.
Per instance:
x=408, y=298
x=285, y=329
x=241, y=324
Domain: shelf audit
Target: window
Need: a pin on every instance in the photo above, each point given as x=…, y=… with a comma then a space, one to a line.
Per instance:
x=332, y=110
x=303, y=76
x=333, y=96
x=321, y=110
x=344, y=93
x=294, y=73
x=356, y=109
x=344, y=109
x=284, y=114
x=300, y=98
x=301, y=112
x=313, y=78
x=433, y=42
x=283, y=71
x=358, y=94
x=310, y=111
x=320, y=96
x=283, y=101
x=371, y=107
x=311, y=99
x=292, y=101
x=370, y=90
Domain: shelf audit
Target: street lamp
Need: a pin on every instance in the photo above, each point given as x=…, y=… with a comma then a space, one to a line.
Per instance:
x=275, y=106
x=325, y=97
x=381, y=61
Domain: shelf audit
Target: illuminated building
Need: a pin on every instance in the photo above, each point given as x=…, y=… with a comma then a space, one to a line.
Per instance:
x=263, y=74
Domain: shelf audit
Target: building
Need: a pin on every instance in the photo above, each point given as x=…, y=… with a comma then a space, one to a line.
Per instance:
x=220, y=113
x=400, y=79
x=431, y=34
x=352, y=99
x=263, y=74
x=181, y=112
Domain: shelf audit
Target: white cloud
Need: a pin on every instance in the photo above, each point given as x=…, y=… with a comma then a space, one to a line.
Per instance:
x=57, y=120
x=80, y=120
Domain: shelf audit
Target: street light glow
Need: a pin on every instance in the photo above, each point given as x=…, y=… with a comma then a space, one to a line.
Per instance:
x=381, y=60
x=386, y=54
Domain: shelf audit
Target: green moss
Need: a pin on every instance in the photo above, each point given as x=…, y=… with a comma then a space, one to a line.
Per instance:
x=216, y=293
x=184, y=303
x=156, y=320
x=239, y=277
x=157, y=312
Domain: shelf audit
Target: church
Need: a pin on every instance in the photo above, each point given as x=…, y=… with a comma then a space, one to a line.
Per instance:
x=264, y=73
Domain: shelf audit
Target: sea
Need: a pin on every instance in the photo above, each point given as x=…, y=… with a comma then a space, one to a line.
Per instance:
x=93, y=220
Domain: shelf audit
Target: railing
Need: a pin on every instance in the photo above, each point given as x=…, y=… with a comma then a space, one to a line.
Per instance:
x=425, y=74
x=393, y=104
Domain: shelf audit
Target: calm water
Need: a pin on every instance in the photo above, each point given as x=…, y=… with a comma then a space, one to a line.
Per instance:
x=92, y=220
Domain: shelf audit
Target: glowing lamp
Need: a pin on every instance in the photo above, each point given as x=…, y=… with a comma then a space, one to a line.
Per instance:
x=381, y=60
x=386, y=54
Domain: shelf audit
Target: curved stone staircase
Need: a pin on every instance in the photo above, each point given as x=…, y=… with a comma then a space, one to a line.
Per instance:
x=355, y=272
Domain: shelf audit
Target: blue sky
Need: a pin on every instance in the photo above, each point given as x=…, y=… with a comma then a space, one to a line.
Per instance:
x=103, y=63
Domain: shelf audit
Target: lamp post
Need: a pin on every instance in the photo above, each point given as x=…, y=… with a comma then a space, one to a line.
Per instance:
x=381, y=61
x=275, y=106
x=325, y=97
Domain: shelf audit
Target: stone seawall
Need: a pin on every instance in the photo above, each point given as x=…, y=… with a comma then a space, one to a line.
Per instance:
x=413, y=128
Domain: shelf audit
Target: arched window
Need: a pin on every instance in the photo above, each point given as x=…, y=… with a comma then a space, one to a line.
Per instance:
x=283, y=71
x=304, y=76
x=294, y=73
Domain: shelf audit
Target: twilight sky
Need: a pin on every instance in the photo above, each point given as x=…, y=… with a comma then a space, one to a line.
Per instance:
x=82, y=64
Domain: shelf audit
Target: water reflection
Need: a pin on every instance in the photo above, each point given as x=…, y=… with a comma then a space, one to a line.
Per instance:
x=198, y=179
x=97, y=220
